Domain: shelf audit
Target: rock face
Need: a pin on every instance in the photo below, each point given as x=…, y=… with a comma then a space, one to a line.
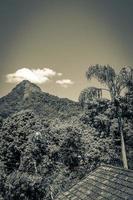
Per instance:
x=15, y=100
x=27, y=85
x=27, y=88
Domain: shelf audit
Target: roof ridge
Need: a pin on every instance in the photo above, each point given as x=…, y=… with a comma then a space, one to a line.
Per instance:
x=117, y=167
x=121, y=174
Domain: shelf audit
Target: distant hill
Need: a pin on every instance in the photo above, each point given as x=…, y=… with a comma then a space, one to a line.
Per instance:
x=27, y=95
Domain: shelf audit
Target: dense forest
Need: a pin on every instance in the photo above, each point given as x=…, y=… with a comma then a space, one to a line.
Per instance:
x=48, y=143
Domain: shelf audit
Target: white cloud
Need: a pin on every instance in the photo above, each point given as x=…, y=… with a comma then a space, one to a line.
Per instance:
x=34, y=75
x=65, y=82
x=59, y=74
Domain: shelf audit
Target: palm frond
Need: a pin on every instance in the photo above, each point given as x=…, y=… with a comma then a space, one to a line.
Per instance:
x=104, y=74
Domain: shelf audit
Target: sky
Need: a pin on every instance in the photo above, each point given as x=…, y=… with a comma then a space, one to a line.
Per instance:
x=52, y=42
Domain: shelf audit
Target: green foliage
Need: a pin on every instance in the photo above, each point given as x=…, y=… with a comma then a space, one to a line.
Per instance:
x=44, y=149
x=115, y=82
x=126, y=78
x=89, y=94
x=105, y=74
x=16, y=133
x=37, y=154
x=72, y=149
x=20, y=185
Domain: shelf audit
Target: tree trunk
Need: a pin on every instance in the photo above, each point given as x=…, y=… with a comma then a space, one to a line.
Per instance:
x=123, y=149
x=120, y=129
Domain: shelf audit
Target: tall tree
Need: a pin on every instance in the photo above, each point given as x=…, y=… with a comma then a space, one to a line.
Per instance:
x=105, y=75
x=115, y=84
x=125, y=79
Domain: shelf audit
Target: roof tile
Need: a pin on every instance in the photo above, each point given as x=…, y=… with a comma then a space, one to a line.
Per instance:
x=105, y=183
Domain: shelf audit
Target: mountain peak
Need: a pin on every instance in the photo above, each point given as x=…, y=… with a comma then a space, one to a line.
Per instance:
x=27, y=84
x=27, y=95
x=26, y=88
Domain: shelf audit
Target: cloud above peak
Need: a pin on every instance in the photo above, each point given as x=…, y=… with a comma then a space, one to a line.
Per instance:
x=34, y=75
x=37, y=76
x=65, y=82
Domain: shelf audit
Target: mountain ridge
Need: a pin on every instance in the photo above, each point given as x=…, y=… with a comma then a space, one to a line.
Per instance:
x=27, y=95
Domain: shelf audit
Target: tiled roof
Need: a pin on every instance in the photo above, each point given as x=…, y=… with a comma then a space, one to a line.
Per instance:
x=106, y=182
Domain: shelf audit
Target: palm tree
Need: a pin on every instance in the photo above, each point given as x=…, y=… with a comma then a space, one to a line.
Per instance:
x=125, y=78
x=115, y=84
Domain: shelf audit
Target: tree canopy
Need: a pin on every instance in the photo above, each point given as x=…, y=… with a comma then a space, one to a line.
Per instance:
x=114, y=82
